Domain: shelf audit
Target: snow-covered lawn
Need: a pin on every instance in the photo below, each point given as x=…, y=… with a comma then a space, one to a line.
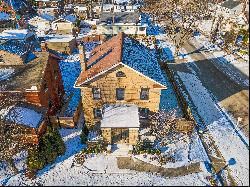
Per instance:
x=97, y=170
x=228, y=138
x=184, y=149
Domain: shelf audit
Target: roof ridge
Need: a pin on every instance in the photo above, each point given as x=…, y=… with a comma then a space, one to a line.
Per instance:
x=122, y=42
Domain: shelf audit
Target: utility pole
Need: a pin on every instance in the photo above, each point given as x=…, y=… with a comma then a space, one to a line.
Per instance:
x=102, y=6
x=113, y=17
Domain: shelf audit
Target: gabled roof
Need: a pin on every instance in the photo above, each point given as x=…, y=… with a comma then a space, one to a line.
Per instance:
x=231, y=4
x=26, y=76
x=123, y=50
x=61, y=20
x=17, y=5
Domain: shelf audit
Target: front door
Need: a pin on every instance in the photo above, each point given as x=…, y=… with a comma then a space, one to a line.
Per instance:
x=120, y=136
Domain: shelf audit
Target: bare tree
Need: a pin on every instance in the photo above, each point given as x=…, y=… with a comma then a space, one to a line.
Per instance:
x=179, y=17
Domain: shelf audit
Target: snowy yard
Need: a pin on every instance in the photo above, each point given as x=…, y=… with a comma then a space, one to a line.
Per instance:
x=182, y=148
x=230, y=141
x=97, y=170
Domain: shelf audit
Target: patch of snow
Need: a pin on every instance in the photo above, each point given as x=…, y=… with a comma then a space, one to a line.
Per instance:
x=4, y=16
x=6, y=73
x=94, y=136
x=72, y=18
x=16, y=34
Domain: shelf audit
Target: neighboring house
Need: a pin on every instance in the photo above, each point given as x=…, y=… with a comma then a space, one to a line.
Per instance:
x=42, y=23
x=117, y=8
x=62, y=26
x=6, y=22
x=62, y=44
x=52, y=7
x=27, y=122
x=16, y=52
x=127, y=22
x=81, y=11
x=19, y=6
x=120, y=72
x=38, y=82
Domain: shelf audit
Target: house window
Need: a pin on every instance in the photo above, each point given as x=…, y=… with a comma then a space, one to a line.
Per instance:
x=142, y=28
x=96, y=93
x=1, y=59
x=120, y=92
x=144, y=94
x=143, y=112
x=97, y=113
x=120, y=74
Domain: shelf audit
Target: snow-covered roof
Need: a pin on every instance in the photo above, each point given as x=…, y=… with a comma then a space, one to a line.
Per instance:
x=5, y=73
x=60, y=39
x=4, y=16
x=61, y=20
x=23, y=114
x=72, y=18
x=120, y=116
x=17, y=5
x=16, y=34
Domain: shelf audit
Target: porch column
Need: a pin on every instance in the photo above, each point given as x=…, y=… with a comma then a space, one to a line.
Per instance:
x=133, y=135
x=106, y=134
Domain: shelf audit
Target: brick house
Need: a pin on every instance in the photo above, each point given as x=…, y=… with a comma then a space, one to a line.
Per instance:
x=25, y=122
x=120, y=72
x=52, y=7
x=127, y=22
x=38, y=82
x=63, y=44
x=62, y=26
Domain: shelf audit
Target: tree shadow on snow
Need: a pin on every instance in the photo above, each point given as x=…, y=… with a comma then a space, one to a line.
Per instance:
x=73, y=146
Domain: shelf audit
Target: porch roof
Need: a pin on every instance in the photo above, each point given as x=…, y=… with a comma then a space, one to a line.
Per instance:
x=120, y=116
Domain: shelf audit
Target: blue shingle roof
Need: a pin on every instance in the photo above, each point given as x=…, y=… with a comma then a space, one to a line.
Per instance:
x=17, y=5
x=142, y=59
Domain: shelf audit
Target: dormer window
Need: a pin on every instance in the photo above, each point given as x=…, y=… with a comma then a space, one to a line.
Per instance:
x=120, y=74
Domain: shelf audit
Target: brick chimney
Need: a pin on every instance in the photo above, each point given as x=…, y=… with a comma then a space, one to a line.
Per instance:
x=44, y=46
x=82, y=57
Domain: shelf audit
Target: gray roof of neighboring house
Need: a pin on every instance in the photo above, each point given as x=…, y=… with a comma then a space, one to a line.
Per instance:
x=25, y=76
x=120, y=17
x=231, y=4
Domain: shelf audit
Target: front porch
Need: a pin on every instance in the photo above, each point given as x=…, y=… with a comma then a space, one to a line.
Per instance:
x=120, y=124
